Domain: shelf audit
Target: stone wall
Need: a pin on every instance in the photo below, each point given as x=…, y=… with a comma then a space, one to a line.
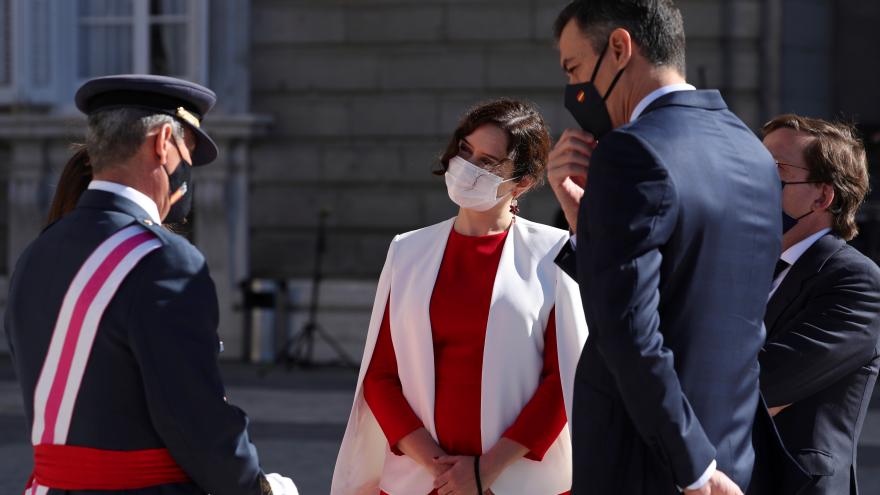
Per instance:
x=807, y=40
x=364, y=95
x=33, y=151
x=857, y=33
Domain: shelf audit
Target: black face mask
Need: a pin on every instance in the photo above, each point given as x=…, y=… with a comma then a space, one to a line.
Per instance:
x=788, y=221
x=587, y=106
x=180, y=185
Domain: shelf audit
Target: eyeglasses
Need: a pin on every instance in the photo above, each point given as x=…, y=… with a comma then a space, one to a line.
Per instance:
x=465, y=151
x=787, y=183
x=795, y=183
x=783, y=164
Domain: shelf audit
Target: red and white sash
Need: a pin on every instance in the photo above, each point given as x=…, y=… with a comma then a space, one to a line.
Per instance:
x=87, y=298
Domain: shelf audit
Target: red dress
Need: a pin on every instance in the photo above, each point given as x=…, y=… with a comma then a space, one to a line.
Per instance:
x=459, y=314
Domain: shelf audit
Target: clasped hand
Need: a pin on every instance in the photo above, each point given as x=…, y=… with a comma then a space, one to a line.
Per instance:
x=454, y=475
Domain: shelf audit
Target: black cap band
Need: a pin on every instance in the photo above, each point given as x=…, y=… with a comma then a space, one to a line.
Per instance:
x=139, y=99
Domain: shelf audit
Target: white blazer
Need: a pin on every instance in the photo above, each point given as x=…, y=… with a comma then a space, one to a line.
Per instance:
x=528, y=285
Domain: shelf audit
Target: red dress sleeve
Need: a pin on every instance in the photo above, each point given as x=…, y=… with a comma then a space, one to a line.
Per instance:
x=383, y=392
x=543, y=417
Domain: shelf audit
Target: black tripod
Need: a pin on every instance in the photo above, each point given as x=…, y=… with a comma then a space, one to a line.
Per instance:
x=299, y=349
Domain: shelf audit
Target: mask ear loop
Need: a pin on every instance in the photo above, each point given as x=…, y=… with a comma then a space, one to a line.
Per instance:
x=805, y=215
x=599, y=63
x=613, y=83
x=596, y=71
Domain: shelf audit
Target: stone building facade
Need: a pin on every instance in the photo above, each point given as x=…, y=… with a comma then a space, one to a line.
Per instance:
x=342, y=106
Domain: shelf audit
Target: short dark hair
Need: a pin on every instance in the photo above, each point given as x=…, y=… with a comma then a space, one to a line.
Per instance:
x=114, y=135
x=835, y=156
x=528, y=137
x=655, y=26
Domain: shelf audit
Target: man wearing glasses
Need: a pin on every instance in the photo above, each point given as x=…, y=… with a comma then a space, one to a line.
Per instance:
x=820, y=360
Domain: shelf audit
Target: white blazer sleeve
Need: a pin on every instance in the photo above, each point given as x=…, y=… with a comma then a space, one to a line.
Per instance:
x=361, y=455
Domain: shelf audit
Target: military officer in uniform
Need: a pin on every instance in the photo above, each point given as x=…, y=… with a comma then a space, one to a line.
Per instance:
x=112, y=318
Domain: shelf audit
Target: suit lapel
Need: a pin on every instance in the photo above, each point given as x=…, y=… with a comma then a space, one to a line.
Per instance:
x=806, y=267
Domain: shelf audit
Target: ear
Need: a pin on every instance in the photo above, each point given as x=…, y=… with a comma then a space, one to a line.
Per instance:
x=523, y=186
x=162, y=142
x=827, y=199
x=620, y=47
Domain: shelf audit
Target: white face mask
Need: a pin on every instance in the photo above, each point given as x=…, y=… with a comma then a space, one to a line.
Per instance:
x=472, y=187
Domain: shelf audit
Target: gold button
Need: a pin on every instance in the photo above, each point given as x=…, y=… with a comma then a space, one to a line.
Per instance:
x=148, y=221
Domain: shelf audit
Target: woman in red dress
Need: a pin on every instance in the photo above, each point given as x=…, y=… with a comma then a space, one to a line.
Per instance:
x=463, y=370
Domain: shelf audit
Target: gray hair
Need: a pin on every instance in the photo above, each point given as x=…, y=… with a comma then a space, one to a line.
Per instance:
x=114, y=136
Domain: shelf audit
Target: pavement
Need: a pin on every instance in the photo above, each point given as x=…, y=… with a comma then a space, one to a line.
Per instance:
x=298, y=419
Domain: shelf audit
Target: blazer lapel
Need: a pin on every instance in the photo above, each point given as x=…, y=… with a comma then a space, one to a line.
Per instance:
x=415, y=271
x=806, y=267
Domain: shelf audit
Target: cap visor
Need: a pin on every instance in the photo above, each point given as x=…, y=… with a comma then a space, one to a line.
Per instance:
x=206, y=149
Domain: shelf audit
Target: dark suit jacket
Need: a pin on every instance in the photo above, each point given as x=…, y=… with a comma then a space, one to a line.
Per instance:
x=821, y=356
x=678, y=234
x=152, y=379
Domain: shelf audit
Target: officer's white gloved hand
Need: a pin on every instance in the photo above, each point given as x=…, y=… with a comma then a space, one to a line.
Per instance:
x=281, y=485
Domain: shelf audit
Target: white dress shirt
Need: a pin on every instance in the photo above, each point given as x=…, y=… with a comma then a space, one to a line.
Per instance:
x=657, y=93
x=131, y=194
x=792, y=254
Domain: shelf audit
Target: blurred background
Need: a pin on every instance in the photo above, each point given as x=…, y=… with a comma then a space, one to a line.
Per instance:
x=330, y=118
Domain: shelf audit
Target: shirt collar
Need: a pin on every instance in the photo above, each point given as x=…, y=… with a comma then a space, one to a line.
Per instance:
x=792, y=254
x=657, y=93
x=131, y=194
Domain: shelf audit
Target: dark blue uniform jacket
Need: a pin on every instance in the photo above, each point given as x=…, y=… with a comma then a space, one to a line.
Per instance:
x=152, y=380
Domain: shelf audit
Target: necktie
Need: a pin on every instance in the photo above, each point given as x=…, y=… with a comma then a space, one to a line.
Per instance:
x=780, y=266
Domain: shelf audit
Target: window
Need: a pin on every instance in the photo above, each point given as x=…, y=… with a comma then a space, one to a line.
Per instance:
x=26, y=33
x=7, y=48
x=105, y=37
x=49, y=47
x=5, y=43
x=143, y=36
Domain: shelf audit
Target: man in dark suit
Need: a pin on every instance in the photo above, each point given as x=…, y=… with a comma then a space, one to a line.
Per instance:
x=820, y=361
x=677, y=233
x=112, y=318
